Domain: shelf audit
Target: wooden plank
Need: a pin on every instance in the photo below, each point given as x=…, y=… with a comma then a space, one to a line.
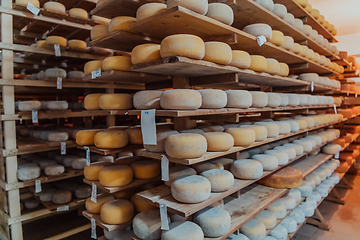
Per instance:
x=111, y=151
x=310, y=164
x=103, y=225
x=70, y=232
x=27, y=145
x=53, y=207
x=115, y=8
x=80, y=20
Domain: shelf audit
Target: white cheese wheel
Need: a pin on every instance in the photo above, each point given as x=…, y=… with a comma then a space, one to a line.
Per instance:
x=298, y=148
x=76, y=74
x=288, y=201
x=61, y=196
x=307, y=29
x=260, y=131
x=54, y=7
x=314, y=35
x=83, y=191
x=258, y=63
x=299, y=24
x=52, y=40
x=297, y=48
x=331, y=149
x=46, y=194
x=78, y=13
x=304, y=51
x=280, y=232
x=267, y=218
x=273, y=66
x=290, y=19
x=28, y=171
x=24, y=3
x=213, y=98
x=302, y=3
x=218, y=141
x=294, y=99
x=160, y=138
x=282, y=156
x=277, y=38
x=315, y=13
x=259, y=99
x=111, y=139
x=254, y=229
x=296, y=194
x=272, y=129
x=268, y=4
x=306, y=190
x=179, y=172
x=213, y=129
x=269, y=162
x=191, y=189
x=91, y=172
x=29, y=105
x=55, y=72
x=278, y=208
x=99, y=31
x=79, y=163
x=117, y=101
x=147, y=225
x=214, y=221
x=288, y=43
x=242, y=136
x=240, y=59
x=289, y=150
x=54, y=170
x=307, y=209
x=307, y=145
x=186, y=145
x=118, y=211
x=200, y=6
x=238, y=98
x=259, y=29
x=280, y=10
x=221, y=12
x=120, y=63
x=274, y=99
x=92, y=66
x=184, y=45
x=149, y=9
x=218, y=52
x=86, y=137
x=183, y=230
x=57, y=105
x=316, y=57
x=205, y=166
x=121, y=23
x=298, y=215
x=149, y=99
x=57, y=137
x=115, y=175
x=181, y=99
x=294, y=126
x=145, y=53
x=247, y=169
x=221, y=180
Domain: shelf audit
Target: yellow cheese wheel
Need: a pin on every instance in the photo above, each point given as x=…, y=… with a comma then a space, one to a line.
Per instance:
x=95, y=208
x=242, y=136
x=100, y=20
x=315, y=13
x=99, y=31
x=145, y=53
x=92, y=66
x=288, y=43
x=54, y=7
x=117, y=211
x=186, y=145
x=125, y=194
x=219, y=141
x=277, y=38
x=52, y=40
x=41, y=44
x=184, y=45
x=135, y=135
x=326, y=24
x=302, y=3
x=77, y=44
x=218, y=52
x=86, y=137
x=116, y=101
x=199, y=6
x=240, y=59
x=121, y=23
x=24, y=3
x=321, y=19
x=308, y=8
x=221, y=12
x=273, y=66
x=91, y=172
x=121, y=63
x=149, y=9
x=115, y=176
x=297, y=48
x=258, y=63
x=111, y=139
x=145, y=169
x=141, y=205
x=78, y=12
x=284, y=70
x=91, y=101
x=181, y=99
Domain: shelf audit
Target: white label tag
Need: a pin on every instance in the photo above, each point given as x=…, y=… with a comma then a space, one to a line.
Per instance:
x=96, y=73
x=312, y=86
x=356, y=94
x=87, y=155
x=34, y=116
x=34, y=10
x=63, y=208
x=63, y=148
x=337, y=156
x=93, y=192
x=335, y=110
x=348, y=92
x=38, y=186
x=148, y=127
x=164, y=217
x=164, y=168
x=59, y=83
x=57, y=50
x=93, y=229
x=261, y=40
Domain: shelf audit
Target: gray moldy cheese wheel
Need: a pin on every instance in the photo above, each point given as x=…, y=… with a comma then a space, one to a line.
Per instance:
x=221, y=180
x=55, y=72
x=147, y=225
x=57, y=105
x=28, y=171
x=247, y=169
x=160, y=144
x=54, y=170
x=79, y=163
x=57, y=136
x=238, y=99
x=191, y=189
x=62, y=196
x=181, y=99
x=183, y=45
x=214, y=221
x=213, y=98
x=288, y=177
x=218, y=52
x=183, y=230
x=179, y=172
x=186, y=145
x=147, y=99
x=76, y=74
x=29, y=106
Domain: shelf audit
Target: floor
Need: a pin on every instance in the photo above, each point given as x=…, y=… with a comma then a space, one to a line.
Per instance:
x=343, y=219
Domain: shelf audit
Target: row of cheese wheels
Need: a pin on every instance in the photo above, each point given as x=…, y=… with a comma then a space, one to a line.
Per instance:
x=55, y=73
x=315, y=78
x=188, y=99
x=50, y=41
x=37, y=105
x=352, y=87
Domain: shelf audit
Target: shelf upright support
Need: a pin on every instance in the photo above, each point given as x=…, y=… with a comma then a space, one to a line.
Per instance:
x=8, y=98
x=110, y=119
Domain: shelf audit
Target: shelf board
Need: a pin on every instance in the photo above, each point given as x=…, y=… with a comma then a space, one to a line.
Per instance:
x=100, y=223
x=307, y=166
x=110, y=151
x=115, y=8
x=31, y=145
x=354, y=137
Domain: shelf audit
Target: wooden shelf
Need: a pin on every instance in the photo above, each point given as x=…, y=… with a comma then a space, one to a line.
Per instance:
x=31, y=145
x=110, y=151
x=100, y=223
x=53, y=207
x=115, y=8
x=310, y=164
x=354, y=137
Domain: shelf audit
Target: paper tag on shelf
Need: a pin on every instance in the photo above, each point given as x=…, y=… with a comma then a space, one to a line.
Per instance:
x=63, y=148
x=337, y=156
x=63, y=208
x=93, y=192
x=93, y=229
x=59, y=83
x=356, y=94
x=96, y=73
x=57, y=50
x=87, y=155
x=34, y=117
x=348, y=92
x=164, y=217
x=261, y=40
x=312, y=87
x=148, y=127
x=164, y=168
x=335, y=108
x=34, y=10
x=38, y=186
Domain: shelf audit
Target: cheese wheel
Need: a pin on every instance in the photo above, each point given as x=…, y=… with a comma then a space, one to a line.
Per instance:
x=213, y=98
x=284, y=70
x=181, y=99
x=83, y=191
x=54, y=7
x=238, y=98
x=122, y=23
x=288, y=177
x=297, y=48
x=86, y=137
x=290, y=19
x=149, y=9
x=278, y=208
x=331, y=26
x=259, y=99
x=316, y=58
x=284, y=100
x=307, y=29
x=213, y=129
x=242, y=136
x=268, y=4
x=147, y=99
x=267, y=218
x=55, y=72
x=118, y=211
x=91, y=172
x=147, y=225
x=254, y=229
x=61, y=196
x=288, y=43
x=186, y=145
x=259, y=29
x=54, y=170
x=93, y=207
x=273, y=66
x=240, y=59
x=200, y=6
x=274, y=100
x=315, y=13
x=247, y=169
x=99, y=31
x=78, y=13
x=221, y=12
x=280, y=10
x=92, y=66
x=115, y=175
x=314, y=35
x=260, y=132
x=225, y=162
x=258, y=63
x=298, y=215
x=282, y=156
x=272, y=129
x=79, y=163
x=277, y=38
x=179, y=172
x=111, y=139
x=280, y=232
x=191, y=189
x=214, y=221
x=288, y=201
x=219, y=141
x=28, y=171
x=160, y=138
x=52, y=40
x=29, y=105
x=269, y=162
x=24, y=3
x=218, y=52
x=117, y=101
x=145, y=169
x=57, y=105
x=184, y=45
x=145, y=53
x=305, y=189
x=220, y=180
x=183, y=230
x=121, y=63
x=100, y=20
x=294, y=100
x=331, y=149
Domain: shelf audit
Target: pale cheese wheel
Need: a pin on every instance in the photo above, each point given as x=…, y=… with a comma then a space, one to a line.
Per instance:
x=277, y=38
x=267, y=218
x=181, y=99
x=331, y=149
x=254, y=229
x=221, y=180
x=290, y=19
x=111, y=139
x=186, y=145
x=272, y=129
x=242, y=136
x=147, y=225
x=280, y=10
x=298, y=24
x=120, y=63
x=91, y=172
x=184, y=45
x=28, y=171
x=145, y=53
x=269, y=162
x=160, y=138
x=55, y=7
x=289, y=150
x=200, y=6
x=314, y=35
x=135, y=135
x=297, y=48
x=288, y=43
x=284, y=70
x=298, y=215
x=282, y=156
x=57, y=105
x=240, y=59
x=145, y=169
x=258, y=63
x=115, y=175
x=29, y=105
x=213, y=98
x=95, y=208
x=214, y=221
x=284, y=100
x=55, y=72
x=218, y=52
x=259, y=99
x=259, y=29
x=260, y=132
x=149, y=9
x=52, y=40
x=61, y=196
x=24, y=3
x=274, y=99
x=183, y=230
x=99, y=31
x=191, y=189
x=278, y=208
x=238, y=98
x=304, y=50
x=288, y=201
x=294, y=126
x=92, y=66
x=307, y=29
x=179, y=172
x=78, y=13
x=76, y=74
x=219, y=141
x=247, y=169
x=294, y=99
x=268, y=4
x=221, y=12
x=280, y=232
x=121, y=23
x=118, y=211
x=79, y=163
x=273, y=66
x=54, y=170
x=117, y=101
x=149, y=99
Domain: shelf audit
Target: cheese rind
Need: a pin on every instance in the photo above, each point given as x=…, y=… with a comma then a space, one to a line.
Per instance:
x=240, y=59
x=117, y=101
x=186, y=145
x=78, y=12
x=160, y=138
x=145, y=169
x=273, y=66
x=54, y=7
x=280, y=10
x=268, y=4
x=191, y=189
x=145, y=53
x=91, y=172
x=219, y=141
x=247, y=169
x=24, y=3
x=214, y=221
x=217, y=52
x=181, y=99
x=221, y=180
x=120, y=63
x=52, y=40
x=238, y=98
x=221, y=12
x=259, y=29
x=147, y=99
x=259, y=99
x=149, y=9
x=92, y=66
x=147, y=225
x=61, y=196
x=267, y=218
x=183, y=230
x=86, y=137
x=184, y=45
x=118, y=211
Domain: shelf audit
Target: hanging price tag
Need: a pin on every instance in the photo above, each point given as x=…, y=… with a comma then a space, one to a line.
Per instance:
x=34, y=117
x=38, y=186
x=164, y=168
x=63, y=148
x=93, y=192
x=312, y=87
x=93, y=229
x=335, y=110
x=96, y=73
x=59, y=83
x=164, y=217
x=337, y=156
x=261, y=40
x=34, y=10
x=57, y=50
x=148, y=127
x=87, y=155
x=63, y=208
